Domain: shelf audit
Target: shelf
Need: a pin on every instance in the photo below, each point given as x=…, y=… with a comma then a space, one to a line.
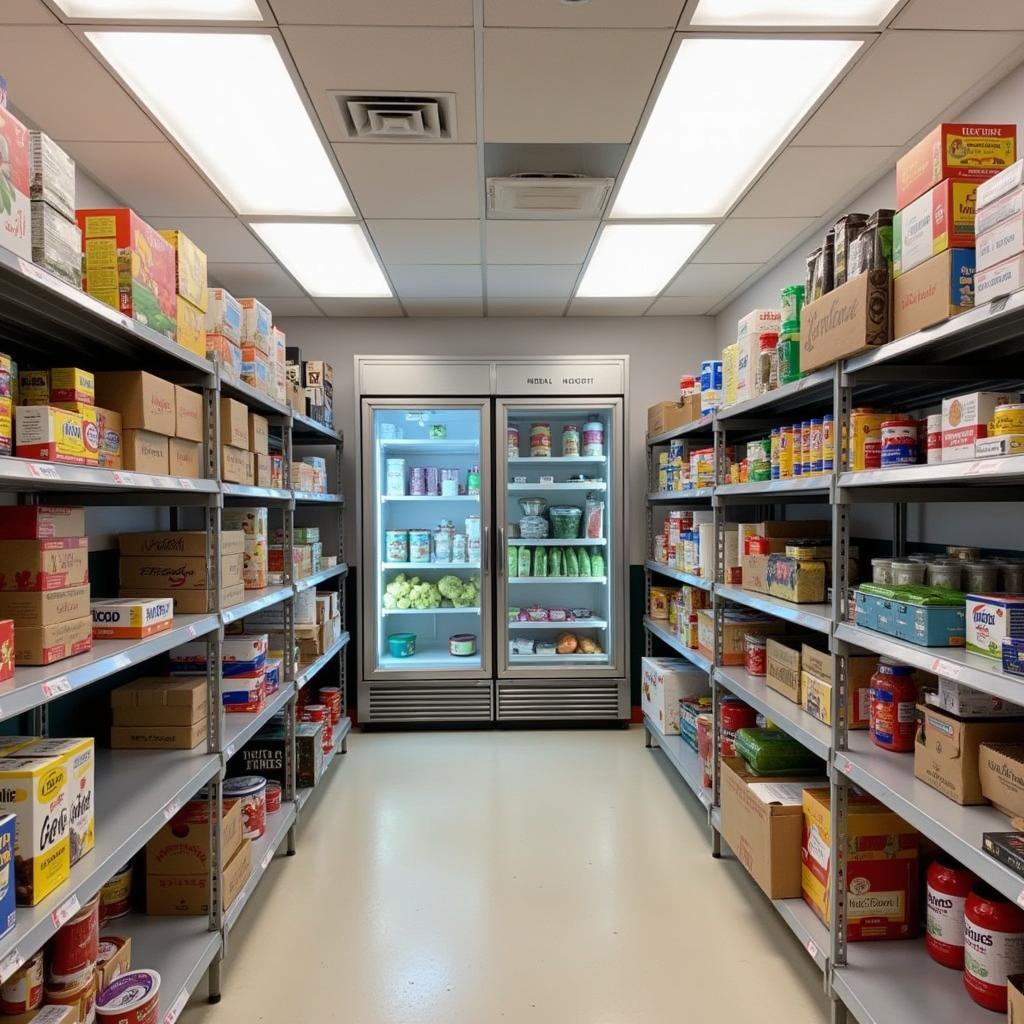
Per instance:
x=179, y=949
x=235, y=387
x=263, y=851
x=812, y=616
x=255, y=601
x=684, y=759
x=307, y=431
x=985, y=674
x=677, y=574
x=553, y=542
x=558, y=659
x=798, y=485
x=705, y=424
x=36, y=685
x=321, y=577
x=889, y=777
x=420, y=566
x=314, y=498
x=307, y=672
x=31, y=475
x=136, y=792
x=1005, y=470
x=556, y=460
x=424, y=446
x=570, y=625
x=430, y=655
x=260, y=493
x=558, y=579
x=789, y=717
x=240, y=726
x=302, y=796
x=431, y=611
x=676, y=644
x=670, y=497
x=575, y=485
x=797, y=396
x=805, y=925
x=427, y=499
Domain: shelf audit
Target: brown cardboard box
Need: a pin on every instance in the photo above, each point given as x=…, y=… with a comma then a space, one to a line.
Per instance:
x=182, y=846
x=146, y=452
x=44, y=564
x=928, y=294
x=817, y=662
x=191, y=602
x=946, y=751
x=262, y=467
x=170, y=574
x=259, y=434
x=115, y=965
x=735, y=627
x=186, y=458
x=801, y=581
x=160, y=700
x=43, y=645
x=849, y=319
x=1001, y=766
x=145, y=402
x=191, y=543
x=236, y=465
x=1015, y=999
x=664, y=416
x=44, y=607
x=158, y=737
x=784, y=667
x=188, y=414
x=765, y=837
x=296, y=397
x=187, y=895
x=234, y=423
x=816, y=686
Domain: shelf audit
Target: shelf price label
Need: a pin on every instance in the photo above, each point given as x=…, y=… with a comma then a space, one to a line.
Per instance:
x=41, y=471
x=185, y=484
x=10, y=964
x=65, y=911
x=267, y=858
x=846, y=766
x=176, y=1007
x=946, y=669
x=172, y=809
x=998, y=305
x=191, y=632
x=982, y=468
x=812, y=948
x=121, y=661
x=55, y=687
x=229, y=750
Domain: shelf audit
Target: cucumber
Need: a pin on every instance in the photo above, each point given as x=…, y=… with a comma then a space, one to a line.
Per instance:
x=597, y=562
x=540, y=562
x=513, y=560
x=525, y=558
x=572, y=565
x=555, y=563
x=584, y=561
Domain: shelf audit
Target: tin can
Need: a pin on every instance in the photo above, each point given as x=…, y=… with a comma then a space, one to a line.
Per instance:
x=815, y=446
x=418, y=481
x=806, y=458
x=394, y=477
x=776, y=432
x=75, y=947
x=433, y=481
x=570, y=440
x=115, y=896
x=755, y=655
x=785, y=453
x=828, y=443
x=866, y=428
x=512, y=441
x=798, y=449
x=934, y=438
x=396, y=543
x=540, y=440
x=898, y=442
x=1008, y=419
x=22, y=992
x=274, y=794
x=419, y=545
x=132, y=998
x=593, y=439
x=251, y=790
x=331, y=696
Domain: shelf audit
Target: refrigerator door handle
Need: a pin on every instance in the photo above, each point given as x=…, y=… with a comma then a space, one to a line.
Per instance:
x=486, y=549
x=501, y=551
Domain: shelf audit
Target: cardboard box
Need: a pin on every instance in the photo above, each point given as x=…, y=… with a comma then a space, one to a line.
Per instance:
x=939, y=288
x=224, y=315
x=34, y=387
x=129, y=266
x=234, y=423
x=296, y=399
x=318, y=374
x=56, y=244
x=54, y=564
x=991, y=618
x=784, y=667
x=762, y=821
x=185, y=459
x=1002, y=279
x=964, y=152
x=191, y=326
x=256, y=324
x=49, y=434
x=166, y=574
x=130, y=618
x=182, y=846
x=1015, y=999
x=188, y=895
x=144, y=401
x=237, y=466
x=71, y=384
x=52, y=177
x=15, y=210
x=43, y=645
x=226, y=352
x=191, y=543
x=255, y=369
x=848, y=320
x=259, y=434
x=191, y=602
x=264, y=475
x=965, y=702
x=1000, y=184
x=747, y=352
x=735, y=627
x=110, y=432
x=78, y=758
x=146, y=452
x=816, y=689
x=663, y=682
x=158, y=737
x=189, y=270
x=1006, y=206
x=1001, y=767
x=966, y=418
x=994, y=447
x=188, y=414
x=115, y=959
x=44, y=607
x=943, y=218
x=160, y=700
x=759, y=321
x=801, y=581
x=41, y=522
x=664, y=416
x=947, y=751
x=1000, y=242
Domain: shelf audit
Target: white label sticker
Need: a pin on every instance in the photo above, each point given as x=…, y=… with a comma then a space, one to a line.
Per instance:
x=185, y=484
x=229, y=750
x=812, y=948
x=998, y=305
x=267, y=858
x=847, y=766
x=817, y=849
x=10, y=964
x=191, y=632
x=119, y=478
x=176, y=1007
x=65, y=911
x=54, y=687
x=172, y=809
x=42, y=472
x=946, y=669
x=121, y=661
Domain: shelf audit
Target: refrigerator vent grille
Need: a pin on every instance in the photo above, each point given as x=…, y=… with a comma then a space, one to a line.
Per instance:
x=430, y=704
x=550, y=700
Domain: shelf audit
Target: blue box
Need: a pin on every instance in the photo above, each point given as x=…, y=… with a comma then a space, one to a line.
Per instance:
x=932, y=625
x=867, y=606
x=8, y=911
x=1013, y=656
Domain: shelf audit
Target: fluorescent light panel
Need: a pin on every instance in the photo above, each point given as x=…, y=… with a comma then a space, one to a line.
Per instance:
x=823, y=13
x=328, y=260
x=164, y=10
x=724, y=109
x=638, y=260
x=229, y=100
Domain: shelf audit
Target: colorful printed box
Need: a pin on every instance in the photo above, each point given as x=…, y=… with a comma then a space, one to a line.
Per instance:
x=227, y=352
x=256, y=324
x=965, y=418
x=255, y=368
x=52, y=177
x=991, y=619
x=15, y=210
x=70, y=384
x=52, y=564
x=130, y=619
x=56, y=435
x=224, y=315
x=56, y=244
x=939, y=288
x=191, y=327
x=943, y=218
x=189, y=269
x=78, y=757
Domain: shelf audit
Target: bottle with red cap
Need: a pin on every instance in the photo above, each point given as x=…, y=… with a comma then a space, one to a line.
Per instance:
x=949, y=885
x=993, y=946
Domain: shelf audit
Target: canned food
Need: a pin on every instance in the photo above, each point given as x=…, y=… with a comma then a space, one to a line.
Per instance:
x=828, y=443
x=785, y=453
x=815, y=446
x=1008, y=419
x=22, y=992
x=866, y=428
x=540, y=440
x=899, y=442
x=402, y=645
x=419, y=546
x=1011, y=577
x=394, y=477
x=331, y=696
x=75, y=947
x=81, y=997
x=980, y=577
x=418, y=481
x=115, y=896
x=274, y=794
x=755, y=650
x=933, y=438
x=251, y=790
x=433, y=478
x=512, y=441
x=462, y=645
x=775, y=452
x=133, y=998
x=397, y=545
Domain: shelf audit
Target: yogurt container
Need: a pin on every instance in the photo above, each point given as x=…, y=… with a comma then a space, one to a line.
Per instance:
x=462, y=645
x=132, y=998
x=252, y=791
x=394, y=477
x=402, y=645
x=905, y=571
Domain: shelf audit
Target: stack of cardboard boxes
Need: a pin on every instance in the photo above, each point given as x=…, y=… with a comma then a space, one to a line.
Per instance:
x=316, y=379
x=240, y=334
x=56, y=239
x=174, y=564
x=44, y=582
x=771, y=562
x=245, y=448
x=158, y=713
x=307, y=554
x=270, y=621
x=253, y=523
x=191, y=292
x=1000, y=227
x=224, y=330
x=57, y=419
x=243, y=668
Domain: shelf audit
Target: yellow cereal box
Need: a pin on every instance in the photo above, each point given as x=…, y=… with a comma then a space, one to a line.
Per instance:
x=78, y=757
x=70, y=384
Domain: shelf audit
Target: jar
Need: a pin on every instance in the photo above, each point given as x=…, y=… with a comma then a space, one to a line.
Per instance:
x=396, y=543
x=449, y=483
x=570, y=440
x=512, y=442
x=899, y=442
x=418, y=481
x=788, y=357
x=394, y=477
x=274, y=793
x=893, y=712
x=1008, y=419
x=462, y=645
x=993, y=946
x=980, y=577
x=906, y=571
x=22, y=992
x=881, y=570
x=965, y=554
x=419, y=545
x=473, y=480
x=1011, y=577
x=949, y=885
x=944, y=574
x=828, y=443
x=251, y=790
x=767, y=362
x=755, y=651
x=540, y=440
x=593, y=439
x=933, y=438
x=565, y=521
x=735, y=715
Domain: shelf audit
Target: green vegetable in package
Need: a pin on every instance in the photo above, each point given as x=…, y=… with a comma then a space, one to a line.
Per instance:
x=597, y=562
x=513, y=560
x=525, y=559
x=914, y=593
x=584, y=561
x=540, y=562
x=556, y=563
x=771, y=752
x=572, y=565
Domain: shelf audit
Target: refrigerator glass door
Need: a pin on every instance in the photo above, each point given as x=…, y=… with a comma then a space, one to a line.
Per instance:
x=426, y=545
x=560, y=529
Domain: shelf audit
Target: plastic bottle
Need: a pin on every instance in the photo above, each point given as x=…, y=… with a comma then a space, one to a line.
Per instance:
x=949, y=885
x=893, y=716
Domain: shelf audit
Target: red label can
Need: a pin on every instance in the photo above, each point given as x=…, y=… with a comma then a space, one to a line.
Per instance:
x=75, y=948
x=132, y=998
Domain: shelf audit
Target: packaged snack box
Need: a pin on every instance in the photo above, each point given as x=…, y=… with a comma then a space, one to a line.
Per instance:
x=189, y=270
x=52, y=176
x=15, y=211
x=78, y=758
x=50, y=434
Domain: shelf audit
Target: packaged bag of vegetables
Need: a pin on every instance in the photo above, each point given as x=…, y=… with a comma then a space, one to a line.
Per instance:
x=584, y=562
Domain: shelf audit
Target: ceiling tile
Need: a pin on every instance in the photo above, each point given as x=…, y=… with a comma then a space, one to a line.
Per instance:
x=281, y=306
x=525, y=307
x=533, y=281
x=413, y=60
x=680, y=307
x=412, y=180
x=95, y=108
x=935, y=70
x=373, y=12
x=436, y=282
x=263, y=279
x=223, y=239
x=751, y=240
x=997, y=15
x=360, y=307
x=26, y=12
x=608, y=307
x=153, y=178
x=710, y=281
x=593, y=14
x=808, y=181
x=427, y=241
x=568, y=86
x=443, y=307
x=551, y=242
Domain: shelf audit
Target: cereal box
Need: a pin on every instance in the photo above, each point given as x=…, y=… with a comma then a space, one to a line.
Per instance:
x=36, y=791
x=78, y=757
x=189, y=269
x=256, y=324
x=52, y=176
x=56, y=435
x=943, y=218
x=129, y=266
x=224, y=315
x=15, y=212
x=991, y=619
x=8, y=914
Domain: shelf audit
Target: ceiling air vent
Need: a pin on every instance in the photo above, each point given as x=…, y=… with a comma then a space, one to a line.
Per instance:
x=547, y=197
x=396, y=117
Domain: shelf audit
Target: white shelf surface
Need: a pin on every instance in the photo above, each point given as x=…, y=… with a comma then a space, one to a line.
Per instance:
x=669, y=497
x=241, y=726
x=558, y=659
x=704, y=423
x=804, y=924
x=575, y=485
x=430, y=654
x=431, y=611
x=798, y=485
x=789, y=717
x=569, y=626
x=262, y=493
x=321, y=577
x=302, y=796
x=812, y=616
x=309, y=431
x=662, y=633
x=1006, y=469
x=684, y=759
x=307, y=672
x=255, y=601
x=420, y=566
x=137, y=791
x=554, y=542
x=677, y=574
x=316, y=498
x=428, y=499
x=558, y=579
x=556, y=460
x=34, y=475
x=424, y=446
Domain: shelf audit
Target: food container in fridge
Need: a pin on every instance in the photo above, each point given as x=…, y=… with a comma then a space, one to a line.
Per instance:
x=402, y=645
x=565, y=521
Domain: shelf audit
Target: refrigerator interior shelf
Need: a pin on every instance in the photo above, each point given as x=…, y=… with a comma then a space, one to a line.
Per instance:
x=558, y=659
x=568, y=485
x=430, y=654
x=421, y=566
x=554, y=542
x=430, y=611
x=414, y=446
x=431, y=497
x=570, y=625
x=557, y=459
x=558, y=579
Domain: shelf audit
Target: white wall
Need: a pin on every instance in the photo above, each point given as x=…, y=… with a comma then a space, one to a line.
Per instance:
x=660, y=348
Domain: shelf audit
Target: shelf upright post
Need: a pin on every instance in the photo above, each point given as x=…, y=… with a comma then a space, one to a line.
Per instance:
x=649, y=551
x=288, y=516
x=717, y=608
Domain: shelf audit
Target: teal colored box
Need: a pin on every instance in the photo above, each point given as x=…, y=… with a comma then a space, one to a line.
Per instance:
x=931, y=625
x=867, y=608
